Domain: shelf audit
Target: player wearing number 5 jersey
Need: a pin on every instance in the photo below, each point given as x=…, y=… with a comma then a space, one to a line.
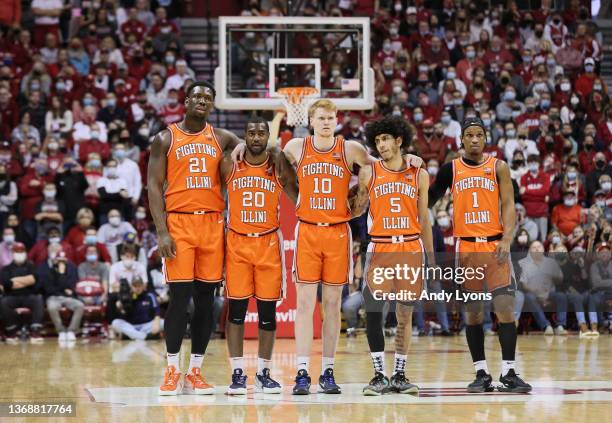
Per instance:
x=483, y=223
x=254, y=257
x=323, y=238
x=186, y=204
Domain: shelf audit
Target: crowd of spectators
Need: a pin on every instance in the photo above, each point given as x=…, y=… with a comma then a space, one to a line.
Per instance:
x=83, y=90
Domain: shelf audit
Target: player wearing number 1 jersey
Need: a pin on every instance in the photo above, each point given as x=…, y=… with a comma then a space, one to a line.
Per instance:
x=483, y=223
x=323, y=238
x=400, y=230
x=254, y=258
x=186, y=204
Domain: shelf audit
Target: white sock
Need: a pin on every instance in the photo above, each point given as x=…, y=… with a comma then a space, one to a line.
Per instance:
x=507, y=365
x=326, y=363
x=378, y=360
x=481, y=365
x=262, y=363
x=237, y=363
x=400, y=362
x=302, y=363
x=195, y=362
x=173, y=360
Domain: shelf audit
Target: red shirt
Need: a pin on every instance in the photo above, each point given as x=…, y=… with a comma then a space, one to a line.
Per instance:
x=532, y=120
x=537, y=187
x=584, y=84
x=91, y=146
x=31, y=196
x=38, y=254
x=171, y=114
x=566, y=218
x=134, y=27
x=80, y=253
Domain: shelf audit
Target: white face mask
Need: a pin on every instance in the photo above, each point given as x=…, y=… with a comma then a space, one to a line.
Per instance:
x=522, y=239
x=533, y=167
x=443, y=221
x=128, y=262
x=432, y=170
x=606, y=186
x=49, y=193
x=600, y=203
x=19, y=258
x=114, y=221
x=569, y=202
x=55, y=240
x=556, y=239
x=8, y=239
x=141, y=215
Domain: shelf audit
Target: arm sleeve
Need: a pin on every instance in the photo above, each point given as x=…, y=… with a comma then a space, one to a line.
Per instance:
x=443, y=181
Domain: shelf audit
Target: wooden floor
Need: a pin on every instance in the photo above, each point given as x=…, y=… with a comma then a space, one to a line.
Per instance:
x=117, y=380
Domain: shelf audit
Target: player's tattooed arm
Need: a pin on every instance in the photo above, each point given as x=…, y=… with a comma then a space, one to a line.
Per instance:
x=422, y=203
x=156, y=177
x=287, y=176
x=360, y=201
x=357, y=154
x=444, y=180
x=507, y=209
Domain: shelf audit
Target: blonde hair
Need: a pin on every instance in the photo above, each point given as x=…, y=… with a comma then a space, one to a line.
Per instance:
x=324, y=104
x=85, y=212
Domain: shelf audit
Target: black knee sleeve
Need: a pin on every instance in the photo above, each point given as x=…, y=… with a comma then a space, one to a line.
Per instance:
x=237, y=311
x=374, y=331
x=507, y=339
x=175, y=321
x=475, y=340
x=202, y=320
x=267, y=315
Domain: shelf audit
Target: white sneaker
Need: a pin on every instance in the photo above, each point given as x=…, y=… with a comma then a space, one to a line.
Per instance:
x=560, y=330
x=70, y=336
x=489, y=332
x=549, y=331
x=593, y=334
x=61, y=337
x=584, y=334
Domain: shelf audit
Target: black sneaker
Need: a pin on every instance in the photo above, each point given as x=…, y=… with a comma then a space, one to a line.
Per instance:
x=379, y=385
x=446, y=333
x=401, y=385
x=327, y=383
x=482, y=383
x=512, y=383
x=302, y=383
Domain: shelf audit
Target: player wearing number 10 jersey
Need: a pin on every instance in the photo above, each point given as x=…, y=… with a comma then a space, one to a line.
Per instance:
x=186, y=204
x=483, y=223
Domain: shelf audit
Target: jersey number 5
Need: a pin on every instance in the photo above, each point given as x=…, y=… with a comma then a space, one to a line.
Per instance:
x=194, y=165
x=395, y=205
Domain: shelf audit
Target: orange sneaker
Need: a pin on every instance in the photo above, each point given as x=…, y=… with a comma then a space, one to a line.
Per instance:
x=196, y=385
x=172, y=382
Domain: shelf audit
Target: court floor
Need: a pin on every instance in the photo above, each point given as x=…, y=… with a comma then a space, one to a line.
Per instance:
x=117, y=380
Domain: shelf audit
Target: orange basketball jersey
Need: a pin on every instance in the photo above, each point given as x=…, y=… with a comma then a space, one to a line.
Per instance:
x=192, y=175
x=393, y=201
x=323, y=178
x=253, y=198
x=476, y=199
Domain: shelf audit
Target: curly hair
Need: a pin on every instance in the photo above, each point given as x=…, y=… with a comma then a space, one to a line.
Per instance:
x=396, y=126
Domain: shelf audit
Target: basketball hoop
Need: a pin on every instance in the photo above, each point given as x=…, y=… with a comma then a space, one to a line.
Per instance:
x=296, y=100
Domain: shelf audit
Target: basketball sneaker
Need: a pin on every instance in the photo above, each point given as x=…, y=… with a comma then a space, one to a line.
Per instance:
x=378, y=385
x=482, y=383
x=512, y=383
x=239, y=383
x=401, y=385
x=302, y=383
x=172, y=382
x=327, y=383
x=264, y=383
x=196, y=385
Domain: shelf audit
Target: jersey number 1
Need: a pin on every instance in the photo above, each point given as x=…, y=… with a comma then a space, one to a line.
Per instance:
x=475, y=195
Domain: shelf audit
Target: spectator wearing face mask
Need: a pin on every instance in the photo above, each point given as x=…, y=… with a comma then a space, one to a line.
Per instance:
x=601, y=168
x=444, y=224
x=8, y=193
x=601, y=283
x=603, y=201
x=509, y=108
x=50, y=211
x=111, y=111
x=130, y=239
x=525, y=224
x=6, y=246
x=517, y=141
x=126, y=268
x=93, y=268
x=93, y=145
x=91, y=240
x=58, y=278
x=451, y=128
x=112, y=233
x=130, y=172
x=172, y=111
x=113, y=191
x=21, y=288
x=76, y=234
x=584, y=82
x=586, y=157
x=38, y=253
x=517, y=166
x=568, y=215
x=466, y=66
x=71, y=185
x=431, y=143
x=88, y=126
x=540, y=276
x=535, y=189
x=21, y=235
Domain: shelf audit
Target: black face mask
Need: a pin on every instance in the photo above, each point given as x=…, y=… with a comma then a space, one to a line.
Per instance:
x=600, y=163
x=588, y=147
x=567, y=149
x=518, y=163
x=539, y=33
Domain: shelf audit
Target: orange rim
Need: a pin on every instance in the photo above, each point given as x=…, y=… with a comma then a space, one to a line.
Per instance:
x=296, y=94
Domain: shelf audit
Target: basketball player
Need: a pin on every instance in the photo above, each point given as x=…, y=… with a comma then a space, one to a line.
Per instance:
x=483, y=223
x=398, y=219
x=323, y=237
x=254, y=258
x=186, y=204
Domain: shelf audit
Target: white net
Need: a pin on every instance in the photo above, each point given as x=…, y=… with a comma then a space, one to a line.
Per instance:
x=296, y=101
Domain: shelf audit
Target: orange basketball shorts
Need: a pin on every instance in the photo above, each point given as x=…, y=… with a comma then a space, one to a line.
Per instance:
x=200, y=248
x=323, y=254
x=487, y=274
x=255, y=267
x=406, y=259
